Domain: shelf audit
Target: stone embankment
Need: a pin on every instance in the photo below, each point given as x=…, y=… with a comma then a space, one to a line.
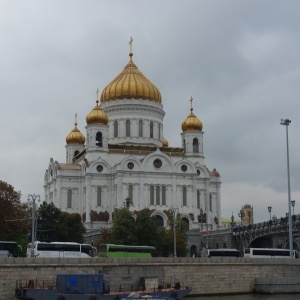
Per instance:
x=204, y=275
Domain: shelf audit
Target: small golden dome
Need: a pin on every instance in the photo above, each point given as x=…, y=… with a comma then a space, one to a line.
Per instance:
x=191, y=123
x=215, y=173
x=165, y=143
x=75, y=136
x=131, y=83
x=97, y=116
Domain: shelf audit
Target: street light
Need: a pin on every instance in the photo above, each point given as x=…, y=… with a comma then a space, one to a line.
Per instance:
x=201, y=220
x=232, y=219
x=293, y=205
x=206, y=225
x=270, y=210
x=241, y=214
x=174, y=213
x=127, y=203
x=33, y=228
x=286, y=123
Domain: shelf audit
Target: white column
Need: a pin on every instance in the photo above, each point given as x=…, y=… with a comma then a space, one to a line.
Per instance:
x=141, y=204
x=207, y=201
x=120, y=199
x=88, y=199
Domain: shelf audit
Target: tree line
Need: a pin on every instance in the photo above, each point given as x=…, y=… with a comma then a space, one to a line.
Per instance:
x=52, y=224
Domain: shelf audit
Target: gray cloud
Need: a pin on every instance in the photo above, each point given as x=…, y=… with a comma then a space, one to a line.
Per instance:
x=238, y=59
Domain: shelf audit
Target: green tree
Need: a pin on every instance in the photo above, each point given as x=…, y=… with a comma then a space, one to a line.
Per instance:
x=13, y=214
x=124, y=228
x=181, y=237
x=146, y=229
x=71, y=229
x=53, y=225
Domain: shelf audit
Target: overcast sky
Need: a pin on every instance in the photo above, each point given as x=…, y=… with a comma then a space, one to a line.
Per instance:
x=240, y=60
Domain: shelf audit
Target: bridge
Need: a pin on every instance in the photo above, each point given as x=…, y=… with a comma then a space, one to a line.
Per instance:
x=269, y=234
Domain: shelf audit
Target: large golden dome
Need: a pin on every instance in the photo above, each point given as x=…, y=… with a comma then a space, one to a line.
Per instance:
x=191, y=123
x=131, y=83
x=97, y=116
x=75, y=136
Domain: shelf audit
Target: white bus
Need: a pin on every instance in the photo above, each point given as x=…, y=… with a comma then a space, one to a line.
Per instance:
x=225, y=252
x=61, y=249
x=268, y=253
x=9, y=249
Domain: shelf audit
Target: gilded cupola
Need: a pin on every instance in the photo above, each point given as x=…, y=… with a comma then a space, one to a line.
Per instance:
x=75, y=136
x=131, y=84
x=165, y=143
x=97, y=116
x=191, y=123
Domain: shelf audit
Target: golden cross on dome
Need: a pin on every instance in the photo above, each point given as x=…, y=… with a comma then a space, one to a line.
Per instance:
x=191, y=103
x=130, y=43
x=97, y=92
x=75, y=118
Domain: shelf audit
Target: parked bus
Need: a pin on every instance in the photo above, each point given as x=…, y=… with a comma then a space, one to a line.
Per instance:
x=224, y=253
x=9, y=249
x=269, y=253
x=111, y=250
x=61, y=249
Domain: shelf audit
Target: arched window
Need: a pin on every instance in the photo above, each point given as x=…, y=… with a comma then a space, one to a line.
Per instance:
x=69, y=199
x=99, y=139
x=195, y=145
x=151, y=195
x=157, y=195
x=184, y=196
x=198, y=199
x=163, y=195
x=141, y=128
x=99, y=196
x=184, y=145
x=130, y=192
x=151, y=129
x=76, y=153
x=159, y=221
x=159, y=131
x=186, y=221
x=127, y=127
x=116, y=128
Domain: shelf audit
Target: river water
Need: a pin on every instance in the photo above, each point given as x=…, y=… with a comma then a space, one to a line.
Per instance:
x=252, y=297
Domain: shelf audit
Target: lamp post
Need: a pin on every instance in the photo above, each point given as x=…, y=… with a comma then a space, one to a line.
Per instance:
x=270, y=210
x=201, y=220
x=293, y=205
x=206, y=225
x=232, y=220
x=174, y=213
x=128, y=202
x=241, y=214
x=33, y=228
x=286, y=123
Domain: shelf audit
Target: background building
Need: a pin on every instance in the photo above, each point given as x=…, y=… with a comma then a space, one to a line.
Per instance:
x=124, y=159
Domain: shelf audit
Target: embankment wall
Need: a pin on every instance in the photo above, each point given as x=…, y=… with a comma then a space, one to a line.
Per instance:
x=204, y=275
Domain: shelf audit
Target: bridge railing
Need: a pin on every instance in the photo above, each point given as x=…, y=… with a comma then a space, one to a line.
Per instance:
x=267, y=224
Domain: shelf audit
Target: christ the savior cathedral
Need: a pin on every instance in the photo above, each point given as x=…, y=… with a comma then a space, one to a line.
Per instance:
x=124, y=159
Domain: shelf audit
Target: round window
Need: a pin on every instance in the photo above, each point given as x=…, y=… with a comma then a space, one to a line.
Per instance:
x=99, y=168
x=183, y=168
x=130, y=165
x=157, y=163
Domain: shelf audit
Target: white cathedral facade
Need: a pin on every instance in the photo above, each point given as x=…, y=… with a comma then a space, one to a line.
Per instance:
x=124, y=159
